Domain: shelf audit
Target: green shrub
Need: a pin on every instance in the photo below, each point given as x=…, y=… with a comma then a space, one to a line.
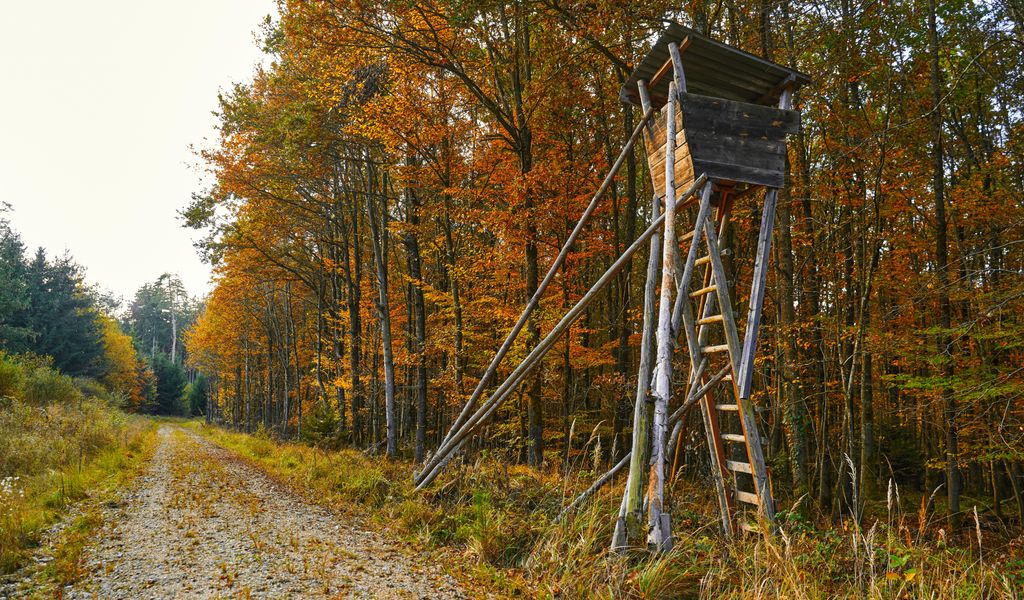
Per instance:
x=91, y=388
x=369, y=486
x=320, y=427
x=46, y=386
x=12, y=377
x=260, y=443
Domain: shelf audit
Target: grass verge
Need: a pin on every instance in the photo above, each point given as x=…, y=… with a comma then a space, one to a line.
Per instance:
x=56, y=457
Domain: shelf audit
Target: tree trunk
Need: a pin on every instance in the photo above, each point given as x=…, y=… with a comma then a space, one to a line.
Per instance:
x=379, y=232
x=412, y=248
x=953, y=482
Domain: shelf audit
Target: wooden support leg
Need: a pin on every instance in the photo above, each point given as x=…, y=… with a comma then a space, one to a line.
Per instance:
x=757, y=289
x=660, y=534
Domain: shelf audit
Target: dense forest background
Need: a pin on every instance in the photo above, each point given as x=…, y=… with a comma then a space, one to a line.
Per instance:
x=55, y=327
x=392, y=180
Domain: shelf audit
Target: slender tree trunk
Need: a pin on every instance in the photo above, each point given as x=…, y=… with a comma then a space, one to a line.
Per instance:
x=353, y=285
x=624, y=354
x=379, y=231
x=953, y=482
x=419, y=322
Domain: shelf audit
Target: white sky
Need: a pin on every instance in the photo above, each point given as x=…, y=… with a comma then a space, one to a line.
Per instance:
x=99, y=103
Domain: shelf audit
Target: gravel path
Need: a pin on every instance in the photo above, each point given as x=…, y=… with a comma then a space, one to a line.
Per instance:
x=202, y=523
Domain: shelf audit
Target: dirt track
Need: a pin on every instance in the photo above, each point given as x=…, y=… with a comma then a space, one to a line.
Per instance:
x=203, y=523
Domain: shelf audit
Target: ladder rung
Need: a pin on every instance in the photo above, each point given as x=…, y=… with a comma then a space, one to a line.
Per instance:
x=702, y=261
x=728, y=407
x=686, y=237
x=719, y=348
x=746, y=497
x=711, y=319
x=702, y=291
x=741, y=467
x=734, y=437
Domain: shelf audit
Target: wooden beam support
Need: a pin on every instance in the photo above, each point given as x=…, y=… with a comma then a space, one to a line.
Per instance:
x=757, y=287
x=533, y=359
x=666, y=68
x=776, y=91
x=659, y=526
x=677, y=67
x=745, y=367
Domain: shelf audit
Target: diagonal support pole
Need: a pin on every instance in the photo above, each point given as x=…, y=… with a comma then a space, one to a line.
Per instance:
x=484, y=412
x=552, y=271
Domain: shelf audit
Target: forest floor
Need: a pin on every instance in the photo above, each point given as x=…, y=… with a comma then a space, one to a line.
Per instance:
x=201, y=522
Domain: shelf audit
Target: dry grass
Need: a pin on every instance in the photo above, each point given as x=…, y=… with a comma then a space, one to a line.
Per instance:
x=54, y=453
x=500, y=519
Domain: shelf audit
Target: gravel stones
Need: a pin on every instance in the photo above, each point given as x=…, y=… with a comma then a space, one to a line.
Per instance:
x=202, y=523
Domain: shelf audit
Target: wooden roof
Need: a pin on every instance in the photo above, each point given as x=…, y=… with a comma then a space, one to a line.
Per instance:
x=712, y=69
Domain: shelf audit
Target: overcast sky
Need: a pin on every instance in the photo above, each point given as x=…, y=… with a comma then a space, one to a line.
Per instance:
x=100, y=102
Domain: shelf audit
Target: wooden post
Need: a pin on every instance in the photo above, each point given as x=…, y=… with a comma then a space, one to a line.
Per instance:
x=757, y=286
x=628, y=523
x=757, y=289
x=641, y=413
x=677, y=68
x=660, y=532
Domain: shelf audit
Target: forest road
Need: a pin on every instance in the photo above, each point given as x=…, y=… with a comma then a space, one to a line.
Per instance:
x=202, y=523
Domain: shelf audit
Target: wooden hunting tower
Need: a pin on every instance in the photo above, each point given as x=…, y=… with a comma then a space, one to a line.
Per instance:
x=732, y=113
x=714, y=123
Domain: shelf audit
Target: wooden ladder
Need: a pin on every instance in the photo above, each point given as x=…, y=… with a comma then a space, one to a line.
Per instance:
x=730, y=422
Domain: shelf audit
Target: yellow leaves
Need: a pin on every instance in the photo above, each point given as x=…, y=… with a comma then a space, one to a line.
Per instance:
x=908, y=576
x=119, y=355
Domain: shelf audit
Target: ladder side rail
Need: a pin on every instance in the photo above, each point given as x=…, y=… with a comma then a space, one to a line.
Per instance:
x=748, y=420
x=716, y=451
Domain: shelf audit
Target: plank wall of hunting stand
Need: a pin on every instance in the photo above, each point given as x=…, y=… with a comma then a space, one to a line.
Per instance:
x=729, y=141
x=655, y=145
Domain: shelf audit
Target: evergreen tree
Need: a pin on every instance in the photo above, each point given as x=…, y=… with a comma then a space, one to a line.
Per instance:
x=63, y=317
x=170, y=386
x=196, y=394
x=14, y=336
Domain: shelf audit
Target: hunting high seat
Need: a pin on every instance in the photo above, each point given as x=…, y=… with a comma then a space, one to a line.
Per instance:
x=732, y=115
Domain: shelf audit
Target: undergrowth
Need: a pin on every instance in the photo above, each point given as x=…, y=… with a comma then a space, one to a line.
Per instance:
x=502, y=521
x=57, y=447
